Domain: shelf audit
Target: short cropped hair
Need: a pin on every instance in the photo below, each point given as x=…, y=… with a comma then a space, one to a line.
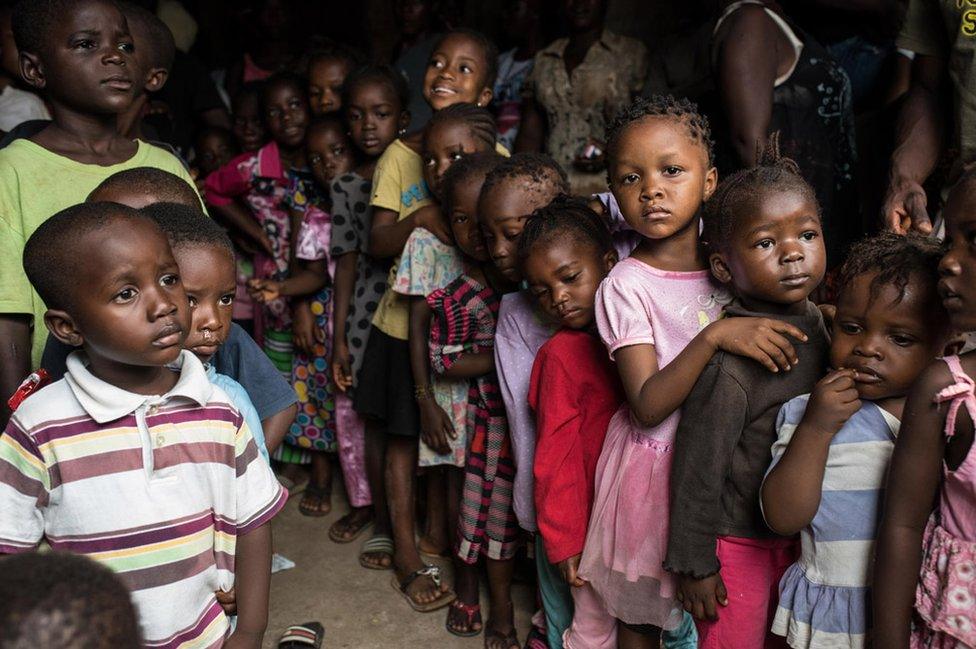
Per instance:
x=64, y=600
x=150, y=181
x=185, y=226
x=468, y=168
x=537, y=168
x=894, y=260
x=162, y=45
x=382, y=74
x=51, y=252
x=33, y=20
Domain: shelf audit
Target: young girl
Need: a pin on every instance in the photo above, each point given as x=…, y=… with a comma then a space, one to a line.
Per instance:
x=326, y=71
x=654, y=308
x=565, y=252
x=933, y=463
x=374, y=100
x=461, y=71
x=830, y=459
x=248, y=125
x=461, y=347
x=428, y=264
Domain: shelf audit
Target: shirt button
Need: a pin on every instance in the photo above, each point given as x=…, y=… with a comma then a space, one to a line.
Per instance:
x=160, y=440
x=152, y=410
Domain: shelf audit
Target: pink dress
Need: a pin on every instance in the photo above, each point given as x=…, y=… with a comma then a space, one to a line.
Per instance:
x=946, y=596
x=627, y=536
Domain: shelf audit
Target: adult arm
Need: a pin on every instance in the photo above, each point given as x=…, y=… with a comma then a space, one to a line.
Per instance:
x=910, y=496
x=252, y=583
x=15, y=357
x=746, y=70
x=531, y=135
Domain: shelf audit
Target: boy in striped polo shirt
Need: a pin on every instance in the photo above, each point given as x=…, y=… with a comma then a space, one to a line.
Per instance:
x=134, y=458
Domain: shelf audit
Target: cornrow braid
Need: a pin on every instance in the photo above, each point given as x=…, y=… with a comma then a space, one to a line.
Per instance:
x=478, y=120
x=465, y=170
x=565, y=216
x=668, y=106
x=894, y=259
x=740, y=193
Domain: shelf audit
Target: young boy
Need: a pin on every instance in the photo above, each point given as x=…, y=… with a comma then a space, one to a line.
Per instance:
x=16, y=105
x=81, y=55
x=134, y=458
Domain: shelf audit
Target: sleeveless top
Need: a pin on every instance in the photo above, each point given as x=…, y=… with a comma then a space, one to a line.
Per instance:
x=946, y=594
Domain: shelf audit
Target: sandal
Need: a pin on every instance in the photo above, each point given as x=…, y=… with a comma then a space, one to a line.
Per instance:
x=509, y=639
x=472, y=615
x=536, y=640
x=315, y=494
x=377, y=544
x=355, y=532
x=445, y=598
x=302, y=636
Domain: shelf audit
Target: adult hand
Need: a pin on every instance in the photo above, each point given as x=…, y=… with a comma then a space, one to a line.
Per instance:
x=905, y=208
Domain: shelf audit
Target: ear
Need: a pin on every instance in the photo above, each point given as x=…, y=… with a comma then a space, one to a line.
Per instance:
x=32, y=70
x=62, y=326
x=609, y=259
x=484, y=97
x=711, y=182
x=720, y=270
x=156, y=79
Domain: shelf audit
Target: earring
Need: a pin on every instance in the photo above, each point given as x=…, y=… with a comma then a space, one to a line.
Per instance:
x=401, y=131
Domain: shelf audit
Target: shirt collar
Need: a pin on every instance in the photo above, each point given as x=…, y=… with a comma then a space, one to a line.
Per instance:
x=269, y=161
x=105, y=402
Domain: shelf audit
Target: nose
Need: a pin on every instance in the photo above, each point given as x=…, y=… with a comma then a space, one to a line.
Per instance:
x=949, y=265
x=651, y=189
x=792, y=253
x=869, y=347
x=498, y=249
x=114, y=56
x=559, y=297
x=205, y=318
x=161, y=305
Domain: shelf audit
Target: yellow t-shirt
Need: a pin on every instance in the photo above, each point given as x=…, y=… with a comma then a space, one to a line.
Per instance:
x=36, y=184
x=398, y=185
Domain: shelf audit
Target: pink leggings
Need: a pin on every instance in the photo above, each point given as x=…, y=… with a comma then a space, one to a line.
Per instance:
x=592, y=627
x=751, y=570
x=351, y=435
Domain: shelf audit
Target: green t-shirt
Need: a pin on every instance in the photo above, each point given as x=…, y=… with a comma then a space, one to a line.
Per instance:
x=36, y=184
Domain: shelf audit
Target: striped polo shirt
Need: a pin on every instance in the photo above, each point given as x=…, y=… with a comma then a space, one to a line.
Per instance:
x=157, y=488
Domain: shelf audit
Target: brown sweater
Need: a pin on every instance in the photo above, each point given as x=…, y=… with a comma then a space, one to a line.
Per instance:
x=722, y=446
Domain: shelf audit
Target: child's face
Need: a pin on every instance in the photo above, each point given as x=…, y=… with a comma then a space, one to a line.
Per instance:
x=958, y=268
x=445, y=144
x=775, y=254
x=463, y=219
x=88, y=63
x=456, y=74
x=886, y=337
x=325, y=79
x=503, y=211
x=248, y=125
x=329, y=153
x=374, y=115
x=214, y=150
x=286, y=114
x=210, y=281
x=130, y=309
x=563, y=274
x=660, y=177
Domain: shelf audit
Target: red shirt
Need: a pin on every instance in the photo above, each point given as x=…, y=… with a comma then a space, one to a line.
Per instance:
x=574, y=391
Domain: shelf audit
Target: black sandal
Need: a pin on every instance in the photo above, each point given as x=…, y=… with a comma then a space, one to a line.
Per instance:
x=445, y=597
x=318, y=494
x=302, y=636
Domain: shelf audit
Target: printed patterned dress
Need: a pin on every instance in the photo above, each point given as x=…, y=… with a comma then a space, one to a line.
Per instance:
x=465, y=314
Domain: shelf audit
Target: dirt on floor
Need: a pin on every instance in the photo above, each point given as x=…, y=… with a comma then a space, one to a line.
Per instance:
x=358, y=608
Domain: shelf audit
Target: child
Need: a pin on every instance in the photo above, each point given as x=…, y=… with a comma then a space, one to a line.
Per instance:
x=656, y=312
x=564, y=252
x=61, y=164
x=461, y=340
x=140, y=409
x=826, y=480
x=512, y=191
x=326, y=71
x=214, y=148
x=64, y=600
x=248, y=126
x=16, y=104
x=330, y=152
x=374, y=100
x=205, y=256
x=461, y=71
x=933, y=464
x=766, y=245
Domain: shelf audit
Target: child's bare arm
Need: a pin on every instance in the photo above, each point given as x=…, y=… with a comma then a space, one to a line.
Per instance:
x=913, y=483
x=277, y=425
x=15, y=357
x=471, y=365
x=387, y=236
x=344, y=283
x=792, y=490
x=252, y=581
x=654, y=393
x=239, y=218
x=435, y=426
x=308, y=278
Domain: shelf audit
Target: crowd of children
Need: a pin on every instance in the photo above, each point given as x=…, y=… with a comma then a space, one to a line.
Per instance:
x=662, y=395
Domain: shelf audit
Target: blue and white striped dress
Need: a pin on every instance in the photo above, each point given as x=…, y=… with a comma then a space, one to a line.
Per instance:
x=824, y=599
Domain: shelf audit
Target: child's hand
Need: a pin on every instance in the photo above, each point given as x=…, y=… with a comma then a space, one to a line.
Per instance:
x=761, y=339
x=435, y=426
x=263, y=290
x=227, y=601
x=341, y=367
x=702, y=597
x=568, y=568
x=833, y=401
x=303, y=327
x=430, y=217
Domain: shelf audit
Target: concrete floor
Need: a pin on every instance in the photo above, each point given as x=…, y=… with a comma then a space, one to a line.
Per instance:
x=358, y=607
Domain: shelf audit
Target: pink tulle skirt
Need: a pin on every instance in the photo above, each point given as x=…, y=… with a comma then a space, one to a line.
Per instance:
x=628, y=533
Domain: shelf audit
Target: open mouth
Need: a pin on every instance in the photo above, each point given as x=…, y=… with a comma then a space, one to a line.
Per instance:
x=866, y=375
x=443, y=91
x=950, y=299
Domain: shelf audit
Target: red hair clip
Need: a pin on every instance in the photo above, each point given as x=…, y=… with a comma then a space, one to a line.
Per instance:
x=31, y=384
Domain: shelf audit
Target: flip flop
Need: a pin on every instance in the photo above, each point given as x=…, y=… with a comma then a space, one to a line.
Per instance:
x=427, y=571
x=302, y=636
x=471, y=612
x=335, y=537
x=378, y=543
x=510, y=639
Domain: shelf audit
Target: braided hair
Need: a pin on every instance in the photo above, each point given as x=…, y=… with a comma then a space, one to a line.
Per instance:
x=740, y=194
x=479, y=121
x=666, y=106
x=565, y=217
x=468, y=169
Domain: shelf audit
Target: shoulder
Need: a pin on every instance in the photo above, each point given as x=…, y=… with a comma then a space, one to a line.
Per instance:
x=616, y=42
x=748, y=20
x=554, y=49
x=53, y=405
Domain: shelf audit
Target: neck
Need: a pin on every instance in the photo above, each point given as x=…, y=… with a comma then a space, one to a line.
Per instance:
x=294, y=158
x=775, y=308
x=585, y=39
x=681, y=252
x=367, y=168
x=140, y=379
x=84, y=131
